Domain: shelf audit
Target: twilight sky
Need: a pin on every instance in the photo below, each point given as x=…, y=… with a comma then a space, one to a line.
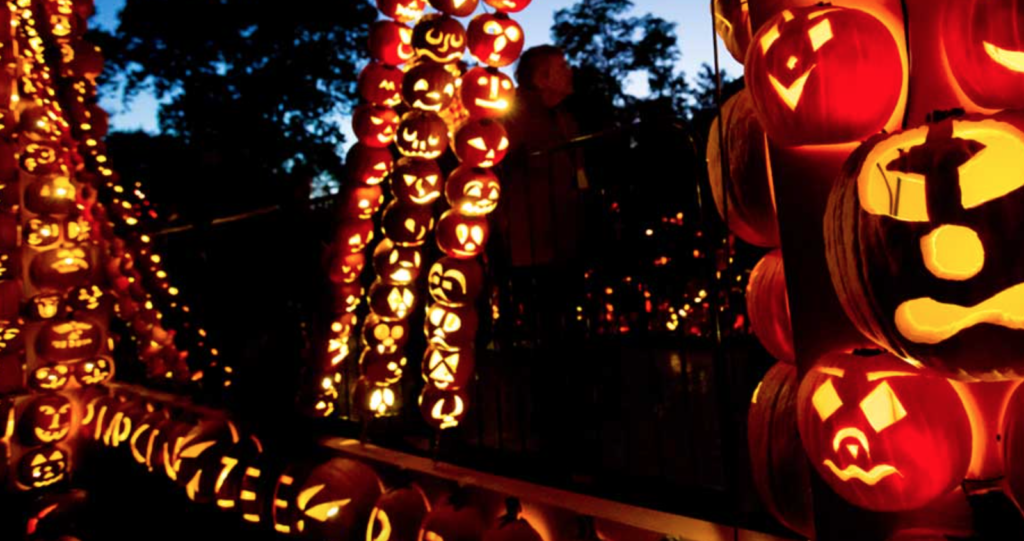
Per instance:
x=692, y=17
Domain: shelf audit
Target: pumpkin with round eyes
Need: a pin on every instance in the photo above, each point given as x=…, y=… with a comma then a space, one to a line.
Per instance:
x=368, y=165
x=41, y=231
x=487, y=93
x=397, y=264
x=378, y=400
x=361, y=202
x=732, y=24
x=381, y=369
x=392, y=302
x=331, y=502
x=455, y=8
x=451, y=328
x=62, y=267
x=94, y=371
x=439, y=38
x=416, y=181
x=51, y=377
x=51, y=195
x=462, y=237
x=385, y=337
x=443, y=409
x=495, y=39
x=455, y=282
x=508, y=6
x=824, y=75
x=42, y=467
x=473, y=191
x=883, y=435
x=347, y=298
x=354, y=235
x=397, y=515
x=381, y=84
x=429, y=87
x=984, y=48
x=407, y=225
x=422, y=134
x=391, y=43
x=918, y=233
x=346, y=268
x=481, y=143
x=403, y=11
x=47, y=419
x=768, y=307
x=40, y=159
x=374, y=125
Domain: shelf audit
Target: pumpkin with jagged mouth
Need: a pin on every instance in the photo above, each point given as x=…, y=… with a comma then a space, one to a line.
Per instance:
x=402, y=11
x=422, y=134
x=439, y=38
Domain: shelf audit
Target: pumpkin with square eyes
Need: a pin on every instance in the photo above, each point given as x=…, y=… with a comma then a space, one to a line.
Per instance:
x=375, y=125
x=94, y=371
x=392, y=302
x=921, y=233
x=354, y=235
x=42, y=467
x=407, y=225
x=487, y=93
x=462, y=237
x=508, y=6
x=882, y=434
x=346, y=268
x=443, y=409
x=395, y=264
x=391, y=43
x=403, y=11
x=47, y=419
x=440, y=38
x=51, y=377
x=416, y=181
x=368, y=165
x=51, y=195
x=455, y=282
x=360, y=202
x=455, y=8
x=451, y=328
x=824, y=75
x=473, y=191
x=495, y=39
x=984, y=47
x=481, y=143
x=381, y=369
x=385, y=337
x=428, y=86
x=381, y=84
x=422, y=134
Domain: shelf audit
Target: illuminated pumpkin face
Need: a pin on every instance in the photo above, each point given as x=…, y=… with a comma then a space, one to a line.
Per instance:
x=495, y=40
x=481, y=143
x=385, y=337
x=347, y=297
x=69, y=340
x=41, y=231
x=42, y=467
x=823, y=75
x=450, y=328
x=335, y=499
x=984, y=45
x=429, y=87
x=455, y=8
x=361, y=202
x=416, y=181
x=508, y=6
x=380, y=84
x=40, y=123
x=52, y=377
x=379, y=400
x=354, y=236
x=392, y=302
x=449, y=370
x=61, y=267
x=11, y=339
x=455, y=282
x=45, y=306
x=473, y=191
x=94, y=371
x=338, y=342
x=462, y=237
x=440, y=38
x=402, y=11
x=487, y=93
x=397, y=515
x=368, y=165
x=375, y=125
x=442, y=410
x=391, y=43
x=51, y=195
x=422, y=134
x=407, y=225
x=346, y=268
x=48, y=419
x=883, y=435
x=920, y=234
x=7, y=270
x=40, y=159
x=89, y=299
x=397, y=264
x=381, y=369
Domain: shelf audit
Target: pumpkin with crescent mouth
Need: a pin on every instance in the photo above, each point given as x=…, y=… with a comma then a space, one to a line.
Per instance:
x=473, y=191
x=52, y=377
x=47, y=419
x=428, y=87
x=368, y=165
x=984, y=46
x=94, y=371
x=374, y=125
x=416, y=181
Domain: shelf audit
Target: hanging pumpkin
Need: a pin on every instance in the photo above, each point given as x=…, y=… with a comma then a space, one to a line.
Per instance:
x=508, y=6
x=42, y=467
x=396, y=264
x=368, y=165
x=61, y=268
x=354, y=235
x=381, y=369
x=439, y=37
x=823, y=75
x=397, y=515
x=385, y=337
x=375, y=125
x=407, y=225
x=768, y=307
x=481, y=143
x=392, y=302
x=52, y=377
x=455, y=282
x=495, y=39
x=749, y=195
x=448, y=370
x=918, y=237
x=381, y=84
x=416, y=181
x=403, y=11
x=778, y=462
x=428, y=86
x=346, y=268
x=487, y=93
x=449, y=327
x=360, y=202
x=732, y=24
x=391, y=43
x=47, y=419
x=882, y=434
x=473, y=191
x=462, y=237
x=455, y=8
x=51, y=195
x=443, y=409
x=422, y=134
x=66, y=341
x=984, y=48
x=336, y=498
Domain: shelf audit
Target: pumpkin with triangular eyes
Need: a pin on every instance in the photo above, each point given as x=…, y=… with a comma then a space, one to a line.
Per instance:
x=391, y=43
x=381, y=369
x=47, y=419
x=42, y=467
x=473, y=191
x=824, y=75
x=360, y=202
x=487, y=93
x=407, y=225
x=448, y=370
x=495, y=39
x=385, y=337
x=375, y=125
x=455, y=8
x=984, y=47
x=381, y=84
x=455, y=282
x=440, y=38
x=403, y=11
x=422, y=134
x=397, y=515
x=508, y=6
x=428, y=86
x=481, y=143
x=443, y=409
x=368, y=165
x=462, y=237
x=416, y=181
x=451, y=327
x=392, y=302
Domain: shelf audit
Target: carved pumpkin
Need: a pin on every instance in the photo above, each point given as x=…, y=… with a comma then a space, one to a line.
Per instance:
x=347, y=298
x=508, y=6
x=397, y=515
x=495, y=39
x=732, y=24
x=45, y=306
x=822, y=75
x=455, y=8
x=778, y=462
x=929, y=272
x=360, y=202
x=47, y=419
x=61, y=268
x=354, y=235
x=443, y=409
x=439, y=38
x=40, y=123
x=89, y=300
x=429, y=87
x=66, y=341
x=407, y=225
x=385, y=337
x=94, y=371
x=450, y=522
x=455, y=282
x=450, y=327
x=985, y=50
x=883, y=435
x=52, y=377
x=43, y=467
x=422, y=134
x=391, y=43
x=381, y=84
x=447, y=370
x=381, y=369
x=481, y=143
x=416, y=181
x=473, y=191
x=346, y=268
x=335, y=499
x=392, y=302
x=51, y=195
x=403, y=11
x=462, y=237
x=396, y=264
x=768, y=307
x=487, y=93
x=40, y=159
x=368, y=165
x=11, y=338
x=379, y=400
x=375, y=125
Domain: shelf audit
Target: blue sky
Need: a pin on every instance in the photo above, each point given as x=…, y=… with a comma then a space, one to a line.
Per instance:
x=692, y=17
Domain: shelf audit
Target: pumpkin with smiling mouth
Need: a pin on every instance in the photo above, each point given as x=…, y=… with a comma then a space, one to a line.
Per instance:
x=984, y=46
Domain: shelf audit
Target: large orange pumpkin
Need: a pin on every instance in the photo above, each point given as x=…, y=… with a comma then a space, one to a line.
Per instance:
x=984, y=45
x=397, y=515
x=768, y=307
x=335, y=500
x=732, y=24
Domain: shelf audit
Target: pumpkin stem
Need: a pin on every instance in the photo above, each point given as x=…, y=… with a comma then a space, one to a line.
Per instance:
x=513, y=508
x=943, y=114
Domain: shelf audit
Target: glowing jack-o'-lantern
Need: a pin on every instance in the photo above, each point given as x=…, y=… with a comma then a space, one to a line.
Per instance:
x=361, y=202
x=455, y=8
x=823, y=75
x=443, y=409
x=452, y=521
x=473, y=191
x=439, y=38
x=396, y=264
x=882, y=434
x=375, y=125
x=416, y=181
x=397, y=515
x=984, y=47
x=429, y=87
x=89, y=299
x=69, y=340
x=481, y=143
x=422, y=134
x=41, y=231
x=450, y=327
x=462, y=237
x=40, y=159
x=407, y=225
x=487, y=93
x=391, y=302
x=45, y=306
x=354, y=236
x=53, y=377
x=62, y=267
x=368, y=165
x=381, y=84
x=47, y=419
x=508, y=6
x=919, y=237
x=448, y=370
x=455, y=282
x=94, y=371
x=42, y=467
x=385, y=337
x=347, y=297
x=391, y=42
x=335, y=499
x=346, y=268
x=51, y=195
x=732, y=24
x=768, y=307
x=495, y=39
x=381, y=369
x=402, y=11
